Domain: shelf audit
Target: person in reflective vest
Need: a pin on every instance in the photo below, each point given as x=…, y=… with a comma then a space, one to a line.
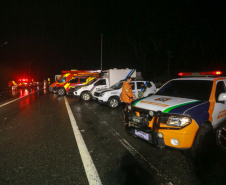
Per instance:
x=127, y=94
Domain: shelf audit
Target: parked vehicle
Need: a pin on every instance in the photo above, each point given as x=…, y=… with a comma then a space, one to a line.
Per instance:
x=111, y=96
x=110, y=77
x=182, y=114
x=64, y=83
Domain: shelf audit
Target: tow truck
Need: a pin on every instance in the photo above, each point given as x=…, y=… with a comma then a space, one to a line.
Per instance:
x=183, y=114
x=111, y=96
x=110, y=77
x=71, y=79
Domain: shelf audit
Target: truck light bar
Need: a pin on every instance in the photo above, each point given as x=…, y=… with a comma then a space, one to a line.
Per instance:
x=208, y=73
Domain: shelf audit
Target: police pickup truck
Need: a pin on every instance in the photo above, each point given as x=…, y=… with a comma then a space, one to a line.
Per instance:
x=111, y=96
x=182, y=114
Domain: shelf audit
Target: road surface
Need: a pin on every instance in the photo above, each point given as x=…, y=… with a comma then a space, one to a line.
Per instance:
x=46, y=139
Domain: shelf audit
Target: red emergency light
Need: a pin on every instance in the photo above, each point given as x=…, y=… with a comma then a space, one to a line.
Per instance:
x=208, y=73
x=23, y=80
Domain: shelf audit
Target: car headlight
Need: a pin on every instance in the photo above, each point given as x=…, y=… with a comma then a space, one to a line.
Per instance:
x=179, y=121
x=101, y=94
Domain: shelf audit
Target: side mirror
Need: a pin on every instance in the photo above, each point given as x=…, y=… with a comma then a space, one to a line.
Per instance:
x=222, y=97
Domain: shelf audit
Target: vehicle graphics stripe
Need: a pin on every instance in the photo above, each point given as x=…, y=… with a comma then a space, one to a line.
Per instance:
x=173, y=107
x=130, y=73
x=66, y=85
x=137, y=101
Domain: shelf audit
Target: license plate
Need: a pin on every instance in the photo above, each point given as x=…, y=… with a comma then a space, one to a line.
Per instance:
x=142, y=134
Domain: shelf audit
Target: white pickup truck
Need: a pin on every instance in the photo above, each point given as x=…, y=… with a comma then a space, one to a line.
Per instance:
x=110, y=77
x=111, y=96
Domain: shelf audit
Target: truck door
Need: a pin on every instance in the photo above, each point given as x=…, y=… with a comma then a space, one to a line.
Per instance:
x=219, y=113
x=133, y=86
x=73, y=82
x=100, y=84
x=140, y=90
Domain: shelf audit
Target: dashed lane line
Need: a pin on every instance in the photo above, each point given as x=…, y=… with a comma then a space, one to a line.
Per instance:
x=90, y=169
x=17, y=99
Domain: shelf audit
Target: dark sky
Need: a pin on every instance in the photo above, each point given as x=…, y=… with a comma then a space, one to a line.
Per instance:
x=51, y=36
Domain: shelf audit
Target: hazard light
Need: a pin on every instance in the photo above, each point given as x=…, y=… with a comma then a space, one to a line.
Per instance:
x=208, y=73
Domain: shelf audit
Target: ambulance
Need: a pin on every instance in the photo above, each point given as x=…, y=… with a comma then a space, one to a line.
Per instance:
x=109, y=78
x=111, y=96
x=183, y=114
x=71, y=79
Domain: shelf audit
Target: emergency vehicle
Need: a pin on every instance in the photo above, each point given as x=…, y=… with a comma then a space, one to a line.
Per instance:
x=110, y=77
x=111, y=96
x=23, y=83
x=68, y=80
x=182, y=114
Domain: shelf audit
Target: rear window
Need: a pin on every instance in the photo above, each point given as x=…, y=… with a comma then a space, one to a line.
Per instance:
x=191, y=89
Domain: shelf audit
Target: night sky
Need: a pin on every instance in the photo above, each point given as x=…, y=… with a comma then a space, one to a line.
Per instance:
x=51, y=36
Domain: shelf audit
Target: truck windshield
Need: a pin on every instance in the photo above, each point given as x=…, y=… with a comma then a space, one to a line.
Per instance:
x=92, y=81
x=192, y=89
x=62, y=79
x=117, y=85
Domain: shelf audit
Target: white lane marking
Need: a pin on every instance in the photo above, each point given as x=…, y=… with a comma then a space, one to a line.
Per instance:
x=133, y=151
x=18, y=99
x=90, y=169
x=129, y=147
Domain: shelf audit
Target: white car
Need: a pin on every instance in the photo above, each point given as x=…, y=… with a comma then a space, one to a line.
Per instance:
x=111, y=96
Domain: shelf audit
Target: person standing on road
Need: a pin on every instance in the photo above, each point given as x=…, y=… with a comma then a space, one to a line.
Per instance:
x=127, y=94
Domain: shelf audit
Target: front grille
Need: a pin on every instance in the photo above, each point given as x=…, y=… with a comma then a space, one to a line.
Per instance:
x=163, y=118
x=97, y=94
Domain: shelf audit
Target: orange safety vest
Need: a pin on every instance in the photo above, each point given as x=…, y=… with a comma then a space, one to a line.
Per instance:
x=127, y=94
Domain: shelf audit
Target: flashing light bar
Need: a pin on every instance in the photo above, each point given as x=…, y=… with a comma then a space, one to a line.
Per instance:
x=208, y=73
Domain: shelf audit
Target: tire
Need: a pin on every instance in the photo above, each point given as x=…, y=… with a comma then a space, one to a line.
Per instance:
x=61, y=92
x=54, y=90
x=113, y=102
x=221, y=137
x=203, y=142
x=86, y=96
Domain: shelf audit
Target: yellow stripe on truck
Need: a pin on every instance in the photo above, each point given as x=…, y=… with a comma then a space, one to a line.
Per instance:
x=65, y=87
x=14, y=83
x=89, y=79
x=67, y=74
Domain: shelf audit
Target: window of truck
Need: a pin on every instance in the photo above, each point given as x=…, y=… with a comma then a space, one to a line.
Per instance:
x=219, y=89
x=191, y=89
x=74, y=80
x=62, y=79
x=140, y=85
x=82, y=80
x=117, y=85
x=100, y=82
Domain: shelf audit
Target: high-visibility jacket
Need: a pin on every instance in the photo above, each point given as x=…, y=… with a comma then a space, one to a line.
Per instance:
x=127, y=94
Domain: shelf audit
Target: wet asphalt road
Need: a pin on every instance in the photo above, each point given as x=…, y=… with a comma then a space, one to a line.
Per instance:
x=38, y=146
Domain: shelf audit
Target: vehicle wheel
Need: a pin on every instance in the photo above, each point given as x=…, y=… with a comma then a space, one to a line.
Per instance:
x=54, y=90
x=203, y=142
x=61, y=92
x=221, y=137
x=113, y=102
x=86, y=96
